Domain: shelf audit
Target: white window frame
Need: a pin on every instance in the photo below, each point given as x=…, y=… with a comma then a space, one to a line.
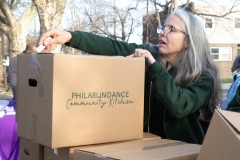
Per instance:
x=221, y=53
x=205, y=22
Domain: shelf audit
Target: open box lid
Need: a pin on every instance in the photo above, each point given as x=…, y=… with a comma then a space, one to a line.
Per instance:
x=222, y=140
x=233, y=118
x=151, y=149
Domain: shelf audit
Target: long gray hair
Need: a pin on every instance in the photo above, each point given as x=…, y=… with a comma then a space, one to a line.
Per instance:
x=198, y=59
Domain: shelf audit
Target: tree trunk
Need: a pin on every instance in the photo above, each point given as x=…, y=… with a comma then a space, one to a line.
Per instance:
x=16, y=29
x=50, y=16
x=157, y=13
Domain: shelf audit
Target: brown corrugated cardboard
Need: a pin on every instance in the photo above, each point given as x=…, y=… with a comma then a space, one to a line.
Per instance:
x=30, y=150
x=150, y=149
x=147, y=135
x=67, y=152
x=222, y=141
x=72, y=100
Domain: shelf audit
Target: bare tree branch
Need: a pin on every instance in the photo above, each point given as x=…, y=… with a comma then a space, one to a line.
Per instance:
x=7, y=12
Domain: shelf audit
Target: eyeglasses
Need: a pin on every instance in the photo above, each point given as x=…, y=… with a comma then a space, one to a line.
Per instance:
x=168, y=28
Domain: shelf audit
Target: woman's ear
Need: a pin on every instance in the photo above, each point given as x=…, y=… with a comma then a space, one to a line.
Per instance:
x=186, y=44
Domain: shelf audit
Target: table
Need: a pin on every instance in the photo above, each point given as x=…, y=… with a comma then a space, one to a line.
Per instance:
x=9, y=140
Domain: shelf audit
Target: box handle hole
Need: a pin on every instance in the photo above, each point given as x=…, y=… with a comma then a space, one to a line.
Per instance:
x=26, y=151
x=32, y=82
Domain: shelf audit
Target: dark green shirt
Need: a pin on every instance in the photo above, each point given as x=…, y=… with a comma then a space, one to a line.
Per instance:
x=170, y=111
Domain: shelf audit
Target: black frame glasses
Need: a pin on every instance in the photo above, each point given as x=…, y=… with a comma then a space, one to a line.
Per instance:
x=168, y=29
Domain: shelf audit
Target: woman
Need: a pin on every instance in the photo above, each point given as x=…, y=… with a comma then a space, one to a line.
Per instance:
x=182, y=83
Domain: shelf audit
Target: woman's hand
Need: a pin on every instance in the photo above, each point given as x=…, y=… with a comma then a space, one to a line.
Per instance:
x=143, y=53
x=57, y=37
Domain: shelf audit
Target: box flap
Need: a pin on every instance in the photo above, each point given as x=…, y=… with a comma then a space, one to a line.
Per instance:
x=162, y=149
x=232, y=118
x=150, y=136
x=171, y=152
x=221, y=141
x=135, y=145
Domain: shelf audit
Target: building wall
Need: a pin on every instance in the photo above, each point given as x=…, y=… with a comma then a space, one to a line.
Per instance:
x=222, y=34
x=225, y=66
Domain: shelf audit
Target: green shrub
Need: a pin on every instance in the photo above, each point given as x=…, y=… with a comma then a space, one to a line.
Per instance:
x=227, y=80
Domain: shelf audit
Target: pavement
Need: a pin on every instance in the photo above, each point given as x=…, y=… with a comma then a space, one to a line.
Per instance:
x=6, y=92
x=225, y=87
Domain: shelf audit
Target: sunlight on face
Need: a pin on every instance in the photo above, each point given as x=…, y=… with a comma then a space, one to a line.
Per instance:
x=172, y=44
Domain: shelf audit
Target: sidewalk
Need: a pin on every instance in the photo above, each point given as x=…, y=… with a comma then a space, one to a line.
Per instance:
x=5, y=93
x=225, y=87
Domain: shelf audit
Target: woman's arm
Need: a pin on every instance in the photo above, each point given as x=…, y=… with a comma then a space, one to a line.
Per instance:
x=95, y=44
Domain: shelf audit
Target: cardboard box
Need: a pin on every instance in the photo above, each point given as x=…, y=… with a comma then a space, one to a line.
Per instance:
x=72, y=100
x=146, y=149
x=222, y=140
x=147, y=135
x=30, y=150
x=67, y=153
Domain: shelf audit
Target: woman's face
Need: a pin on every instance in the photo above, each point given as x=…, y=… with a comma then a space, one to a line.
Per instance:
x=172, y=44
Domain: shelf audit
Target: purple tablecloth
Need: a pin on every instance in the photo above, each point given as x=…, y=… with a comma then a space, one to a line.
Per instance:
x=9, y=140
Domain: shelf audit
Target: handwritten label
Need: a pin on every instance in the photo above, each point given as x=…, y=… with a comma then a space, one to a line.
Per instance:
x=101, y=99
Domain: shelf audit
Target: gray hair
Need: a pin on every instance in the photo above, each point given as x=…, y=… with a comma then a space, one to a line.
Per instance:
x=197, y=58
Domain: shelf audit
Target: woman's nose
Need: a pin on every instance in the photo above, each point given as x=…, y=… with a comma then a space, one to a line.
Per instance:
x=162, y=33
